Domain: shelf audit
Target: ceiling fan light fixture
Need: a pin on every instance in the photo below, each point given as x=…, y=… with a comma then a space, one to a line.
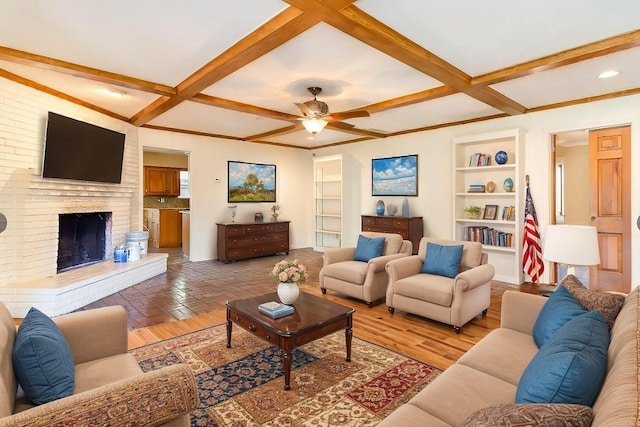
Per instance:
x=314, y=126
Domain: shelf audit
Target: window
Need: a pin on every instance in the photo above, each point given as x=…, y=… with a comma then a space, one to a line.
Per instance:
x=184, y=185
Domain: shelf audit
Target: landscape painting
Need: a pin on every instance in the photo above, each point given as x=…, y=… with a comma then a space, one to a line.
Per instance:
x=395, y=176
x=251, y=182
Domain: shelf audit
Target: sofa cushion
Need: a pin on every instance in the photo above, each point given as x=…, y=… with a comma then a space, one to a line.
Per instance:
x=570, y=367
x=524, y=415
x=349, y=271
x=436, y=289
x=368, y=248
x=560, y=308
x=608, y=304
x=442, y=260
x=42, y=359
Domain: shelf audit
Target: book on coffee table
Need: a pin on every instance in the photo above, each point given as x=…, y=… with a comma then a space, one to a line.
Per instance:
x=275, y=309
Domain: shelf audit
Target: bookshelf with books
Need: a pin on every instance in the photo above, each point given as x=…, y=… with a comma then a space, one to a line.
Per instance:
x=488, y=172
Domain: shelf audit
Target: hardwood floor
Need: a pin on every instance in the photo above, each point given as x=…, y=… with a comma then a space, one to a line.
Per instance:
x=192, y=295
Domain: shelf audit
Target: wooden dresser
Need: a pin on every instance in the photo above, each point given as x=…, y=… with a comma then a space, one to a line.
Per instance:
x=249, y=240
x=410, y=228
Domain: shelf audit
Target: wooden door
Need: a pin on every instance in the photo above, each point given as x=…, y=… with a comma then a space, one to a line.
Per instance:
x=610, y=206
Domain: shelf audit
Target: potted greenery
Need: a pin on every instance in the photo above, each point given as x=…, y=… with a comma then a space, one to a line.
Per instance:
x=473, y=211
x=275, y=209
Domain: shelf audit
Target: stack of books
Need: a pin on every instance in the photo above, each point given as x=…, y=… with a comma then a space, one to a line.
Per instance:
x=477, y=188
x=480, y=159
x=275, y=309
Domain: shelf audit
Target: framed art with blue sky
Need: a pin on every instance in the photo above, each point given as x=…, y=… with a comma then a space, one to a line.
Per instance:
x=395, y=176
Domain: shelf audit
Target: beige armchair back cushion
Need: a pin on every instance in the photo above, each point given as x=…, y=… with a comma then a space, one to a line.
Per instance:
x=472, y=255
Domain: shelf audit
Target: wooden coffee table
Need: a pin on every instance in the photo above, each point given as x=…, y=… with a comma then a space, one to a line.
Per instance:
x=314, y=318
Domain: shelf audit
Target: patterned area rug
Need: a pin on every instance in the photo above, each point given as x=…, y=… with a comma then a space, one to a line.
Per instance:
x=243, y=385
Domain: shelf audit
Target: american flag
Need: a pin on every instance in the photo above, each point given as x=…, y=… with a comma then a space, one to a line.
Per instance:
x=531, y=254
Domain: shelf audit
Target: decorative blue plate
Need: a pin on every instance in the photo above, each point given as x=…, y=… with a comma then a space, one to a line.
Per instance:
x=501, y=157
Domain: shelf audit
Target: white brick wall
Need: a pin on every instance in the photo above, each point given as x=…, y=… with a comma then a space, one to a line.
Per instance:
x=28, y=247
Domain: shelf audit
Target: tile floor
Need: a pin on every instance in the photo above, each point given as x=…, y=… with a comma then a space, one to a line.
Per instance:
x=191, y=288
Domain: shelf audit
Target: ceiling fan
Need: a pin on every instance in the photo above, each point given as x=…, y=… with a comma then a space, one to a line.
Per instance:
x=316, y=113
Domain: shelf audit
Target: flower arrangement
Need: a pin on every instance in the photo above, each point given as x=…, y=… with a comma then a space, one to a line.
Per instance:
x=287, y=271
x=275, y=208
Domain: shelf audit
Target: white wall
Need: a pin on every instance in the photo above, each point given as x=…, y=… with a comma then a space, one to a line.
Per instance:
x=208, y=179
x=434, y=149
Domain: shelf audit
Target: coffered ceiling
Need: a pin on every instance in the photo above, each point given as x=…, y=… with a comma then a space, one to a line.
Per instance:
x=234, y=69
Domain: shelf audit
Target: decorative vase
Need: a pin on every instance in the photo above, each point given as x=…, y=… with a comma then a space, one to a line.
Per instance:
x=288, y=292
x=379, y=207
x=405, y=207
x=392, y=209
x=275, y=216
x=508, y=185
x=501, y=157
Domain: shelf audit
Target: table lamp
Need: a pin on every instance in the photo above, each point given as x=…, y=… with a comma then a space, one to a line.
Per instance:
x=571, y=245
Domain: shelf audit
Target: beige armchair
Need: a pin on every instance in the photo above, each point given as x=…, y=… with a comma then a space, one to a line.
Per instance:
x=453, y=301
x=366, y=281
x=109, y=387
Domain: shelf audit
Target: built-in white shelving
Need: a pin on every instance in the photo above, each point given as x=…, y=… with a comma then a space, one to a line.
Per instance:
x=502, y=238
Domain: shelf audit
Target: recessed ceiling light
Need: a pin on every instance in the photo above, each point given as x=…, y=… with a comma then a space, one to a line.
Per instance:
x=608, y=74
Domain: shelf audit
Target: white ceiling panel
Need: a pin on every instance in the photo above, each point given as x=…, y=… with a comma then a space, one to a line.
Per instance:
x=483, y=36
x=304, y=139
x=324, y=57
x=123, y=101
x=443, y=110
x=162, y=41
x=219, y=121
x=576, y=81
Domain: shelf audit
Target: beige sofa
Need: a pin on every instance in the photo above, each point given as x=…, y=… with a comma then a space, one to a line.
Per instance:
x=110, y=389
x=488, y=374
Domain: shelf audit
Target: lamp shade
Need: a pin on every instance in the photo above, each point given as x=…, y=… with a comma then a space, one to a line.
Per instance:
x=314, y=126
x=571, y=245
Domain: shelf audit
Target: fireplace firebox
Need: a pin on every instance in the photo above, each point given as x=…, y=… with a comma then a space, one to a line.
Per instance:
x=83, y=239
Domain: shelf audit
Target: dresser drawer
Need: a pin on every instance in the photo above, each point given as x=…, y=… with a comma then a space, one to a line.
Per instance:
x=254, y=327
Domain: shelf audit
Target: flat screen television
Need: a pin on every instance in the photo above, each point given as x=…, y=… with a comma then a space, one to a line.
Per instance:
x=81, y=151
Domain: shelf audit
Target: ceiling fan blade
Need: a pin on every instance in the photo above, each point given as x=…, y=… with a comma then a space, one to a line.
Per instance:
x=348, y=115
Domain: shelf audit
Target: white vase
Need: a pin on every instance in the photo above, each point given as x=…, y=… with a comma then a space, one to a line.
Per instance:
x=288, y=292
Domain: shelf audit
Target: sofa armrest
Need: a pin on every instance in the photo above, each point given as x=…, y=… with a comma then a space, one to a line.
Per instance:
x=403, y=267
x=148, y=399
x=474, y=277
x=96, y=333
x=380, y=263
x=334, y=255
x=520, y=310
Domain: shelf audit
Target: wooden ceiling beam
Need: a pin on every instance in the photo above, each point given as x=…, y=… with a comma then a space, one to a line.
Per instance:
x=276, y=132
x=561, y=59
x=71, y=69
x=414, y=98
x=374, y=33
x=228, y=104
x=285, y=26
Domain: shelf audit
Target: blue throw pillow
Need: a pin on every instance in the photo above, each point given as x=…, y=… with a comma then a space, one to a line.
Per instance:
x=368, y=247
x=571, y=366
x=557, y=310
x=442, y=260
x=42, y=359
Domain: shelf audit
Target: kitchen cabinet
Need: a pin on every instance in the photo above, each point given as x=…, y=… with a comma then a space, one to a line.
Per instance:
x=161, y=181
x=410, y=228
x=165, y=227
x=186, y=230
x=250, y=240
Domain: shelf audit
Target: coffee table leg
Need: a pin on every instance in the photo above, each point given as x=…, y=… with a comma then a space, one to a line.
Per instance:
x=286, y=360
x=348, y=335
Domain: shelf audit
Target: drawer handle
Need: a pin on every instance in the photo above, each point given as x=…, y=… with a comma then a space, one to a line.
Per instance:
x=252, y=328
x=268, y=337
